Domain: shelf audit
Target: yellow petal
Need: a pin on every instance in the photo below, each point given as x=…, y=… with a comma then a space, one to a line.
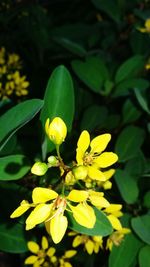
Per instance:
x=44, y=242
x=33, y=247
x=24, y=206
x=70, y=253
x=99, y=143
x=31, y=260
x=147, y=25
x=39, y=214
x=107, y=185
x=38, y=262
x=84, y=215
x=106, y=159
x=95, y=174
x=78, y=195
x=51, y=251
x=58, y=227
x=42, y=195
x=115, y=222
x=82, y=146
x=113, y=208
x=89, y=245
x=66, y=264
x=99, y=201
x=77, y=241
x=108, y=174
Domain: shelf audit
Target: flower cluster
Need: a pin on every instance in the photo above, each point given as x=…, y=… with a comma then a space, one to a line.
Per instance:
x=79, y=195
x=45, y=255
x=11, y=80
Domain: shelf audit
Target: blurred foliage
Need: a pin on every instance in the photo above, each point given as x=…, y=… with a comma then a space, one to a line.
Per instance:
x=107, y=60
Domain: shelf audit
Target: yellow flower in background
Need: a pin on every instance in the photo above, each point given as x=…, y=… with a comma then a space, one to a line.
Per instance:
x=49, y=207
x=116, y=237
x=146, y=28
x=92, y=244
x=11, y=80
x=40, y=254
x=64, y=260
x=94, y=158
x=56, y=130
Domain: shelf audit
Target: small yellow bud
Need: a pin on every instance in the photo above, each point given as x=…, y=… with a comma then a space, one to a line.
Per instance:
x=56, y=130
x=39, y=168
x=80, y=172
x=52, y=161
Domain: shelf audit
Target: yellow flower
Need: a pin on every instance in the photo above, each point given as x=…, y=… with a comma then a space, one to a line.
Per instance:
x=52, y=213
x=64, y=260
x=40, y=255
x=94, y=159
x=116, y=238
x=114, y=211
x=39, y=168
x=91, y=243
x=146, y=28
x=107, y=184
x=56, y=130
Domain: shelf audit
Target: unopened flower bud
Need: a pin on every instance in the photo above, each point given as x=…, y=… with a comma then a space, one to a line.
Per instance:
x=39, y=168
x=53, y=161
x=56, y=130
x=80, y=172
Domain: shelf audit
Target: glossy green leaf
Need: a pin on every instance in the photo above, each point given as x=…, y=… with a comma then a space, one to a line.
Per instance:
x=129, y=68
x=59, y=97
x=140, y=163
x=92, y=72
x=127, y=186
x=130, y=112
x=125, y=254
x=111, y=8
x=12, y=238
x=129, y=142
x=94, y=116
x=141, y=226
x=125, y=86
x=144, y=256
x=102, y=226
x=17, y=117
x=13, y=167
x=142, y=100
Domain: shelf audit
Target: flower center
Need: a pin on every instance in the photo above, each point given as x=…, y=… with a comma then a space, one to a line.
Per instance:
x=88, y=159
x=41, y=254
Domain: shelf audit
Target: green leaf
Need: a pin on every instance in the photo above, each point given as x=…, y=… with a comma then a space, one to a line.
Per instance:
x=111, y=8
x=59, y=97
x=92, y=72
x=72, y=46
x=17, y=117
x=129, y=68
x=140, y=163
x=127, y=186
x=141, y=226
x=125, y=254
x=94, y=116
x=125, y=86
x=144, y=258
x=146, y=201
x=142, y=100
x=58, y=102
x=13, y=167
x=102, y=226
x=12, y=237
x=129, y=142
x=130, y=112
